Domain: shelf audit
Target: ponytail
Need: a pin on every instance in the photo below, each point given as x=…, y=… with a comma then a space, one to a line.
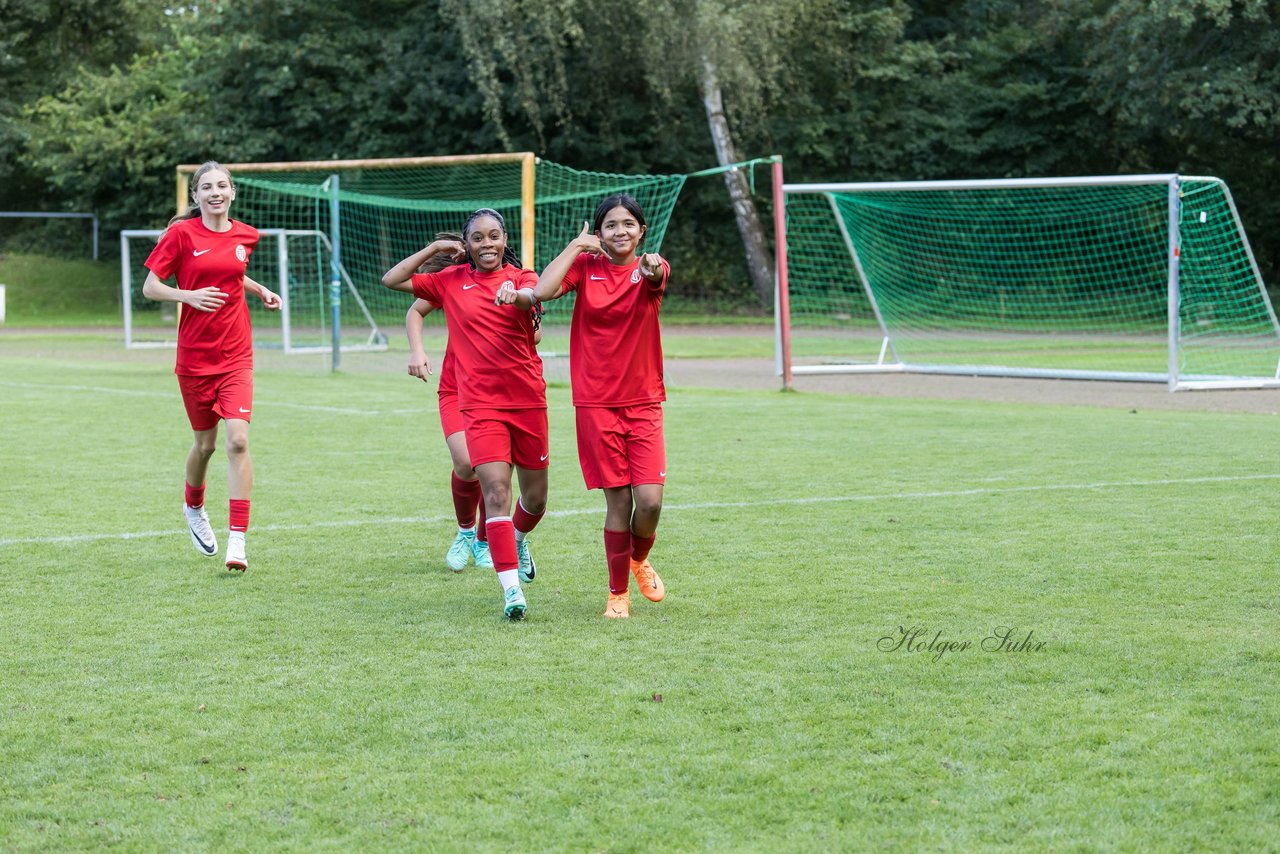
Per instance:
x=192, y=213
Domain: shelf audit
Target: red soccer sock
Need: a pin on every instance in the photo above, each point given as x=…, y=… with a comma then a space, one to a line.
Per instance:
x=523, y=520
x=640, y=546
x=481, y=514
x=239, y=514
x=617, y=552
x=465, y=494
x=194, y=495
x=502, y=543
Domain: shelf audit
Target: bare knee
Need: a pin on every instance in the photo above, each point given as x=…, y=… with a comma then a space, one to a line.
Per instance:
x=534, y=501
x=533, y=490
x=205, y=446
x=648, y=505
x=497, y=501
x=237, y=445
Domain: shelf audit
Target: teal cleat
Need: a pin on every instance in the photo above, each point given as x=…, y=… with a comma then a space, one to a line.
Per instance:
x=528, y=569
x=480, y=550
x=459, y=554
x=513, y=607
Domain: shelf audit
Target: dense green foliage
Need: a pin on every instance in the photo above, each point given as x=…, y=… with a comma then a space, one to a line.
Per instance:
x=100, y=100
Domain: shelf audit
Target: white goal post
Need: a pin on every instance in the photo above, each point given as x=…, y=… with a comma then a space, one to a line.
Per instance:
x=1135, y=277
x=301, y=279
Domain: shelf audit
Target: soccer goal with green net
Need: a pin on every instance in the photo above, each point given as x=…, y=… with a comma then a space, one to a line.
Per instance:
x=336, y=226
x=1144, y=277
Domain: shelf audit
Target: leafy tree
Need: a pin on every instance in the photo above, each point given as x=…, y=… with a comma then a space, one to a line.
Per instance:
x=102, y=97
x=1194, y=87
x=44, y=45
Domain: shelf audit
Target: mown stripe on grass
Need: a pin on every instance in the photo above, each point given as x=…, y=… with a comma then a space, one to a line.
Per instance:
x=173, y=395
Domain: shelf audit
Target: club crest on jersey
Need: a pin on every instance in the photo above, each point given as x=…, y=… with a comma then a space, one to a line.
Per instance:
x=635, y=275
x=241, y=255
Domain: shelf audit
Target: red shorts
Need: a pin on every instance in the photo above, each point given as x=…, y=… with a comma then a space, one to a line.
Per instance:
x=216, y=396
x=450, y=414
x=621, y=446
x=516, y=436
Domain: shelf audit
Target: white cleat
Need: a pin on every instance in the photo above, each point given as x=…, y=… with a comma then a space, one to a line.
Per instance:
x=235, y=551
x=201, y=531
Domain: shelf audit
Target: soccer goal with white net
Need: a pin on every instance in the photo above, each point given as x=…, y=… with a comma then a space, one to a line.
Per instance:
x=296, y=264
x=1144, y=277
x=346, y=222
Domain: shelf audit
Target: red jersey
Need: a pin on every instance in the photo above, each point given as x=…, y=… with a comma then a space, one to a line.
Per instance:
x=448, y=379
x=209, y=342
x=494, y=359
x=615, y=343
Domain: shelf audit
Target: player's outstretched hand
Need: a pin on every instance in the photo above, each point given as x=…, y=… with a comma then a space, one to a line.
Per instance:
x=651, y=266
x=506, y=294
x=206, y=299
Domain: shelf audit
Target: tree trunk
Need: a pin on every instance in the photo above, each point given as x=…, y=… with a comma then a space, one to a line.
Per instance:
x=759, y=261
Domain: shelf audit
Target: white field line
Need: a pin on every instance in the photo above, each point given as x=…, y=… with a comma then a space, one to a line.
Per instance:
x=339, y=410
x=709, y=505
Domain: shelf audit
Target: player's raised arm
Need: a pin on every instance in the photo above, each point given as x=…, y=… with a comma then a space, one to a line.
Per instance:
x=550, y=283
x=398, y=277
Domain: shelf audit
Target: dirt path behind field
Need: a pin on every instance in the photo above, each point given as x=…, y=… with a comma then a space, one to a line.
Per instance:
x=761, y=374
x=756, y=373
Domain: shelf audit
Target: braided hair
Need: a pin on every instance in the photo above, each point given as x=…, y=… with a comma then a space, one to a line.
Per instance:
x=509, y=255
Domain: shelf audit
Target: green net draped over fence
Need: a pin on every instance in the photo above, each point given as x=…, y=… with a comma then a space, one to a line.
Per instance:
x=380, y=215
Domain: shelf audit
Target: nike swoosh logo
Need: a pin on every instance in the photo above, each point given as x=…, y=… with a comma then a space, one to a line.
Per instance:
x=209, y=548
x=595, y=278
x=242, y=409
x=468, y=287
x=662, y=474
x=198, y=252
x=542, y=458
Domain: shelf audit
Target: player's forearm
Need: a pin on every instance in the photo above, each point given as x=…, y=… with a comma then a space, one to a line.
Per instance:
x=154, y=289
x=525, y=299
x=398, y=277
x=413, y=329
x=550, y=283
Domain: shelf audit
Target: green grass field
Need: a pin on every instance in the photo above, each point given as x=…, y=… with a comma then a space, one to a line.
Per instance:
x=805, y=686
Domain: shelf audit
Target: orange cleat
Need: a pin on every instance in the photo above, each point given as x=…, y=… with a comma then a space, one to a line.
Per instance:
x=650, y=584
x=619, y=605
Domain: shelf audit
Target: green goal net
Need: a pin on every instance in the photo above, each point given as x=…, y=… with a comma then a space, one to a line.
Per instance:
x=348, y=222
x=1134, y=278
